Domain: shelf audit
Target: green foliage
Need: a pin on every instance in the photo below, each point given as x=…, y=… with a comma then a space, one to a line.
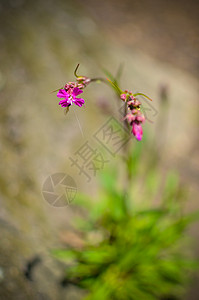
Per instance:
x=113, y=81
x=135, y=253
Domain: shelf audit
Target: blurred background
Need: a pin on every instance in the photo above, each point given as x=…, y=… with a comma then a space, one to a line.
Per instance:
x=41, y=42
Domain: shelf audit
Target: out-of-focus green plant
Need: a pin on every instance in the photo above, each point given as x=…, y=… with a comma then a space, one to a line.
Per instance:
x=132, y=251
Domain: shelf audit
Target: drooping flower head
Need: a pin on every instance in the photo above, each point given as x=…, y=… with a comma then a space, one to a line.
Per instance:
x=69, y=94
x=134, y=116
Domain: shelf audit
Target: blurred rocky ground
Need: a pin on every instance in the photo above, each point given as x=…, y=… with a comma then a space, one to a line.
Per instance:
x=41, y=42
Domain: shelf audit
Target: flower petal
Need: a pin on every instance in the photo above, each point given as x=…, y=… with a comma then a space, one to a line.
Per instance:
x=62, y=94
x=64, y=103
x=78, y=101
x=137, y=131
x=77, y=91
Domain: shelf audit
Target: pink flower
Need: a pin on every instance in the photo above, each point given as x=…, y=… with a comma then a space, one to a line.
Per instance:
x=123, y=97
x=137, y=131
x=70, y=97
x=130, y=118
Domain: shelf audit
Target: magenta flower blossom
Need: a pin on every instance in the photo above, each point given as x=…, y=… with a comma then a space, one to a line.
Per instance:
x=70, y=97
x=137, y=130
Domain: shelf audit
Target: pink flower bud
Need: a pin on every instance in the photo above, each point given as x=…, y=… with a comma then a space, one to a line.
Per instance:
x=134, y=111
x=137, y=131
x=130, y=118
x=140, y=118
x=123, y=97
x=133, y=103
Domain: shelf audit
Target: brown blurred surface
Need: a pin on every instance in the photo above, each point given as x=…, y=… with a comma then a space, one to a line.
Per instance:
x=167, y=30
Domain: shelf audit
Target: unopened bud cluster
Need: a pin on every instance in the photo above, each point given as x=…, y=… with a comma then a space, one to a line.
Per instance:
x=134, y=116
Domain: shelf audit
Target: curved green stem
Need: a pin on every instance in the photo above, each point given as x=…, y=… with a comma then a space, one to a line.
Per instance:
x=100, y=79
x=141, y=94
x=75, y=72
x=115, y=86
